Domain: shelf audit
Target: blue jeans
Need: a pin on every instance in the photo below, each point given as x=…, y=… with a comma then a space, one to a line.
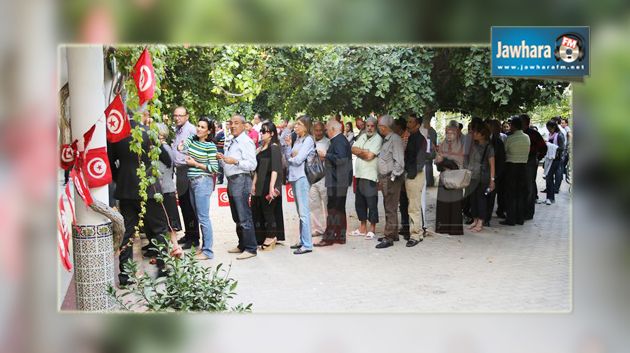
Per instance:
x=202, y=188
x=239, y=188
x=301, y=189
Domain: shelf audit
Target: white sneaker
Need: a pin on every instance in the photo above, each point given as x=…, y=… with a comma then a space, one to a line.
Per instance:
x=548, y=202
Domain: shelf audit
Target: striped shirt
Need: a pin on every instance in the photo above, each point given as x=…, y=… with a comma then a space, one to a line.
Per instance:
x=203, y=152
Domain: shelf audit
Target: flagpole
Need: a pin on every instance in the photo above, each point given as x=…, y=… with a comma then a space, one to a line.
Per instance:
x=92, y=239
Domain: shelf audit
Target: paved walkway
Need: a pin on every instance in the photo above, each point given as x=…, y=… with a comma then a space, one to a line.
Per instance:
x=502, y=269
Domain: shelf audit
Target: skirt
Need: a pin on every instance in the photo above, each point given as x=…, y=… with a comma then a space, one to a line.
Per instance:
x=448, y=210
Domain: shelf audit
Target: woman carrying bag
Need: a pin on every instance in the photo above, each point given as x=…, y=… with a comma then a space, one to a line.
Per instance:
x=449, y=219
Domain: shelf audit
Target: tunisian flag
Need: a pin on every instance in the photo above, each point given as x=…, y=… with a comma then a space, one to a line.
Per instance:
x=96, y=167
x=117, y=123
x=63, y=239
x=79, y=183
x=144, y=75
x=68, y=154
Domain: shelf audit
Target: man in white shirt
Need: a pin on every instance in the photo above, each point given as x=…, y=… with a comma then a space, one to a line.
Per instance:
x=318, y=198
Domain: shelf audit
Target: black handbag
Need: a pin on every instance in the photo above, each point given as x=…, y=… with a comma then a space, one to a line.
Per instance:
x=314, y=167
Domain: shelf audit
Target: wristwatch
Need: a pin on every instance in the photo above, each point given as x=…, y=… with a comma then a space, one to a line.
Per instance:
x=237, y=161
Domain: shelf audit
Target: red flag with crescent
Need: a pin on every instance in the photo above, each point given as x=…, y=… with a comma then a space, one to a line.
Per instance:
x=80, y=186
x=67, y=155
x=116, y=121
x=96, y=168
x=290, y=196
x=144, y=76
x=224, y=200
x=63, y=239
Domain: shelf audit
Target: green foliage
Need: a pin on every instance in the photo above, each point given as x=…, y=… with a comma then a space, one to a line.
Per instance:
x=354, y=80
x=188, y=286
x=464, y=84
x=126, y=57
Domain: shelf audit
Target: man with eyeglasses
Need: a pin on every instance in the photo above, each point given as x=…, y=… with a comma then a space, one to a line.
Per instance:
x=183, y=130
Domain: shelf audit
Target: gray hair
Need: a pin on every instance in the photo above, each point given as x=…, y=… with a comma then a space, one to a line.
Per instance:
x=372, y=120
x=334, y=125
x=387, y=120
x=162, y=129
x=240, y=117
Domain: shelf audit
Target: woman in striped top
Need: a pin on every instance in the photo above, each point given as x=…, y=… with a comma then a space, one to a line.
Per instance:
x=202, y=162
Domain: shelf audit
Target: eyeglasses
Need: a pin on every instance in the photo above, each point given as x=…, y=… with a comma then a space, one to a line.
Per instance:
x=265, y=131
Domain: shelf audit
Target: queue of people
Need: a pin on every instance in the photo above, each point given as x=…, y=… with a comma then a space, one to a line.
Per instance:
x=393, y=156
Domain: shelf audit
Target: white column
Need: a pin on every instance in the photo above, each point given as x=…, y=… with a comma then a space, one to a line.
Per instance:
x=87, y=105
x=93, y=250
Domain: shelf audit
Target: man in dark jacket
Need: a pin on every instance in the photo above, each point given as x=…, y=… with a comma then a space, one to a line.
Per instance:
x=537, y=151
x=415, y=161
x=128, y=193
x=338, y=178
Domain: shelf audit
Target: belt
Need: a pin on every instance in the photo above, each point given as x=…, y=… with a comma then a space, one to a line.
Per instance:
x=199, y=176
x=235, y=176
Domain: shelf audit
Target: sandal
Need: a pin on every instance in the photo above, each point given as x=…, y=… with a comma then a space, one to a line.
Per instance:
x=476, y=229
x=177, y=252
x=357, y=233
x=269, y=246
x=370, y=236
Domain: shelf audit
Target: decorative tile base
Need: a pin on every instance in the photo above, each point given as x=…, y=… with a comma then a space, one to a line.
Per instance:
x=94, y=266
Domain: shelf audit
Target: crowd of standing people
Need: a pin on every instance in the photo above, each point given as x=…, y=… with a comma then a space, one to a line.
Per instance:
x=393, y=156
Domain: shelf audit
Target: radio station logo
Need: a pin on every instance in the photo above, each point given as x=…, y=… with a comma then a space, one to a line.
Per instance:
x=569, y=48
x=533, y=52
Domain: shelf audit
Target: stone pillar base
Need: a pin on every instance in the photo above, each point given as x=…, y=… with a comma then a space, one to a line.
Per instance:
x=94, y=266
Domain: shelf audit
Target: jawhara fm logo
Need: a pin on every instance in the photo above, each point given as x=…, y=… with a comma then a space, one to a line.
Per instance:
x=569, y=48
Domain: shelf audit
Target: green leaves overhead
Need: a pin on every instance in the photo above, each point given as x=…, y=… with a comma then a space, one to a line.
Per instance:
x=354, y=80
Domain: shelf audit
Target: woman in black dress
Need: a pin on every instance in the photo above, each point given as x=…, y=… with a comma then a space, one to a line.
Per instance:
x=266, y=186
x=449, y=219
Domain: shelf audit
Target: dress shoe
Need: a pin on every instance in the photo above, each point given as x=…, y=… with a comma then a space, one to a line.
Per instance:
x=384, y=244
x=301, y=251
x=245, y=255
x=384, y=238
x=235, y=250
x=520, y=223
x=296, y=246
x=506, y=223
x=202, y=257
x=412, y=242
x=340, y=241
x=324, y=243
x=150, y=253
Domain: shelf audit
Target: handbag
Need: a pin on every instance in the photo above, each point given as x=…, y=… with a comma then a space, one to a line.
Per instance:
x=314, y=167
x=455, y=179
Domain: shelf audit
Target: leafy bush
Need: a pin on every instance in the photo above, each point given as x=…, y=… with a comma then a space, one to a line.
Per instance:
x=187, y=286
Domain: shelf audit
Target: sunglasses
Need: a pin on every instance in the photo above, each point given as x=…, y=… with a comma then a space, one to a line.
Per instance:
x=265, y=131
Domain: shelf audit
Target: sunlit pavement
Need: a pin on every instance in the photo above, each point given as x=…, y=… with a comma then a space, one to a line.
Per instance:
x=501, y=269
